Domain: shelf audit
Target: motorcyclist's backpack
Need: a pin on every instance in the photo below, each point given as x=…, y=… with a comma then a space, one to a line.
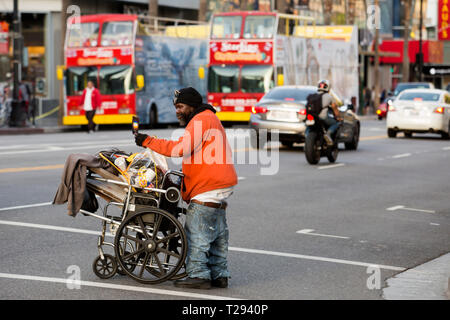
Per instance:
x=314, y=104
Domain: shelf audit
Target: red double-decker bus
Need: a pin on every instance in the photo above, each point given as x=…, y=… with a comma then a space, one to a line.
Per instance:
x=100, y=48
x=135, y=67
x=241, y=62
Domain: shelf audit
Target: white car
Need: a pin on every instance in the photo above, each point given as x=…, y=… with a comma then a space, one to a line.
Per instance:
x=421, y=111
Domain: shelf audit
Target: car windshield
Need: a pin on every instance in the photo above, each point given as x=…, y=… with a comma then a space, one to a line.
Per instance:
x=419, y=96
x=77, y=79
x=83, y=35
x=223, y=79
x=403, y=86
x=117, y=33
x=288, y=94
x=116, y=80
x=226, y=27
x=257, y=78
x=259, y=27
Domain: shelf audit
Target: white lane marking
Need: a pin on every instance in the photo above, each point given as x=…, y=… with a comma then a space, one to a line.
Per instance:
x=27, y=206
x=403, y=155
x=434, y=224
x=49, y=227
x=242, y=178
x=310, y=232
x=301, y=256
x=50, y=148
x=117, y=287
x=273, y=253
x=446, y=148
x=409, y=209
x=331, y=166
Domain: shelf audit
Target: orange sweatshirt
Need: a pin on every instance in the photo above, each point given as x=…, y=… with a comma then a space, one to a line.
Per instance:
x=207, y=157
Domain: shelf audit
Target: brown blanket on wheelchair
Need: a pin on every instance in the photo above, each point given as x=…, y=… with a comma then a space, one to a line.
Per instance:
x=72, y=188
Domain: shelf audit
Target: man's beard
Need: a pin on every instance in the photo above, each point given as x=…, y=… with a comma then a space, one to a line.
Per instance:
x=183, y=119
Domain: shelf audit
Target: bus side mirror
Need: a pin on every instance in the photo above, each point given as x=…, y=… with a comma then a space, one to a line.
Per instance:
x=60, y=72
x=140, y=81
x=201, y=72
x=280, y=80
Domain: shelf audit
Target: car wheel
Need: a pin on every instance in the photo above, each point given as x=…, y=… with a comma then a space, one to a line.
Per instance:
x=391, y=133
x=153, y=118
x=353, y=145
x=407, y=134
x=254, y=141
x=380, y=118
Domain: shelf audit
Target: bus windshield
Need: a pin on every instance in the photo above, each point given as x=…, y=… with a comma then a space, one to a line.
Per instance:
x=223, y=79
x=77, y=79
x=117, y=33
x=83, y=35
x=257, y=78
x=259, y=27
x=116, y=80
x=226, y=27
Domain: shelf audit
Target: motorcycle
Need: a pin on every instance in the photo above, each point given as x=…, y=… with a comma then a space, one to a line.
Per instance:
x=316, y=145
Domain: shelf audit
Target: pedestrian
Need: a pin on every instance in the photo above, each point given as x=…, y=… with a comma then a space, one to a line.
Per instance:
x=367, y=100
x=209, y=178
x=91, y=101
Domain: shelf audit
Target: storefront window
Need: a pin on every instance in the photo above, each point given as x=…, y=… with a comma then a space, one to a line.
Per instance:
x=83, y=35
x=223, y=79
x=77, y=79
x=116, y=80
x=117, y=33
x=257, y=79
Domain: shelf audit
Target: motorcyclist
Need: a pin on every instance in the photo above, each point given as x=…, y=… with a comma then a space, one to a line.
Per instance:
x=329, y=115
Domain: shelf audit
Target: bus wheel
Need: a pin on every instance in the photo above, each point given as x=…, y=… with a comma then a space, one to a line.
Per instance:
x=153, y=117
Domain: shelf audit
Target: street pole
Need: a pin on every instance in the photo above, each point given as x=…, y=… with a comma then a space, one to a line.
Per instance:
x=377, y=65
x=16, y=112
x=420, y=62
x=405, y=68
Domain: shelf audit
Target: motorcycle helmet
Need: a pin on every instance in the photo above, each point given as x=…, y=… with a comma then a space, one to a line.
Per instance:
x=323, y=86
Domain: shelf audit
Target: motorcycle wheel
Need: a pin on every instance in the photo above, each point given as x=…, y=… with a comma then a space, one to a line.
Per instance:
x=332, y=153
x=312, y=151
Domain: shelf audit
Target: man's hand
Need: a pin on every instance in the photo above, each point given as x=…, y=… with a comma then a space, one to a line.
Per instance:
x=139, y=139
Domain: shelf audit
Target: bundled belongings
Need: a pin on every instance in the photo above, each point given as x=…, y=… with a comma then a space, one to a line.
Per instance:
x=140, y=170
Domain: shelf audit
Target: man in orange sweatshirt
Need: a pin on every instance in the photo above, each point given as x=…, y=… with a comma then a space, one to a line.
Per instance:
x=209, y=180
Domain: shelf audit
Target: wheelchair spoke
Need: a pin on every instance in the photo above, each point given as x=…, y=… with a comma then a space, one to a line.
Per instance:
x=157, y=225
x=128, y=256
x=168, y=252
x=144, y=264
x=161, y=268
x=141, y=224
x=136, y=240
x=168, y=237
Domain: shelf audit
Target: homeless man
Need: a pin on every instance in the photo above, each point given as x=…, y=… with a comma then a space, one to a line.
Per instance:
x=209, y=177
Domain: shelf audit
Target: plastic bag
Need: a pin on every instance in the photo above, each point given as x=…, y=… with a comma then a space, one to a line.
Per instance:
x=146, y=169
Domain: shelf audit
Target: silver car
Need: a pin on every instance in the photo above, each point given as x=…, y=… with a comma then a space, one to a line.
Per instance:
x=283, y=109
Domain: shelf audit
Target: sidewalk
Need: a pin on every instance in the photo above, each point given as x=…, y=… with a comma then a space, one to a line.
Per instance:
x=429, y=281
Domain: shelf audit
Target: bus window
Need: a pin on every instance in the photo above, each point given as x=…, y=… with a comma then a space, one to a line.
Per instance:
x=223, y=79
x=83, y=35
x=226, y=27
x=257, y=78
x=259, y=27
x=116, y=80
x=77, y=79
x=117, y=33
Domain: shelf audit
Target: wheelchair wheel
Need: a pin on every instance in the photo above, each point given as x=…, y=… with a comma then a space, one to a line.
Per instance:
x=151, y=246
x=105, y=268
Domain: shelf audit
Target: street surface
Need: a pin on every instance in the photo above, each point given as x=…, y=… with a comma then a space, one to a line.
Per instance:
x=331, y=231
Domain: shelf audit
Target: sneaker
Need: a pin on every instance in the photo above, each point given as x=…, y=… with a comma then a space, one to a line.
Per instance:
x=220, y=282
x=193, y=283
x=328, y=139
